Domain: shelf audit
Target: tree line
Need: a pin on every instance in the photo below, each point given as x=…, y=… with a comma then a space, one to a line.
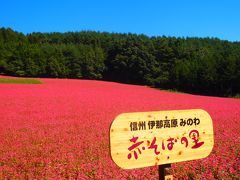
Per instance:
x=206, y=66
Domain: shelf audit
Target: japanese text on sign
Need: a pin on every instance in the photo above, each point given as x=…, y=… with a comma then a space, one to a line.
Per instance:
x=135, y=148
x=167, y=123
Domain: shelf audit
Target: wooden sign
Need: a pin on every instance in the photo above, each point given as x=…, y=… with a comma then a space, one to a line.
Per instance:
x=154, y=138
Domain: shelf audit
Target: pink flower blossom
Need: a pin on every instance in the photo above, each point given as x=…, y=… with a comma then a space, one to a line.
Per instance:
x=60, y=129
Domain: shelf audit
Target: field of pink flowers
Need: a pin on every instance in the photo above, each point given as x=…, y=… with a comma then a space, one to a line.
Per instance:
x=60, y=129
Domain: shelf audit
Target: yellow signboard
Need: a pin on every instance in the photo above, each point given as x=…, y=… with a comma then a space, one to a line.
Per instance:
x=162, y=137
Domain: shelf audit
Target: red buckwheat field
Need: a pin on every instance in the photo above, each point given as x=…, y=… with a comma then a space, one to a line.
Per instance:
x=60, y=129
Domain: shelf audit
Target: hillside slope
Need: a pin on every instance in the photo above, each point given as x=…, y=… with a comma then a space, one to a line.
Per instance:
x=61, y=129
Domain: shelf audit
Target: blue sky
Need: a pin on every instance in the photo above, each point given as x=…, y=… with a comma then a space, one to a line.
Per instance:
x=181, y=18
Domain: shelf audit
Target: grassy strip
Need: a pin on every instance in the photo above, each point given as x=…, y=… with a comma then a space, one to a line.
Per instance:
x=172, y=90
x=19, y=81
x=237, y=96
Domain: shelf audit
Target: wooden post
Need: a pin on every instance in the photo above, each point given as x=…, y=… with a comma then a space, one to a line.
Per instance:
x=164, y=172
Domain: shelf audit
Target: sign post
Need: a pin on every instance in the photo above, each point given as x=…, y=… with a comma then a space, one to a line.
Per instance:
x=163, y=172
x=161, y=137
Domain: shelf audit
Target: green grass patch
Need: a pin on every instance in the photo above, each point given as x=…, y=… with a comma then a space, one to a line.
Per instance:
x=237, y=96
x=19, y=81
x=172, y=90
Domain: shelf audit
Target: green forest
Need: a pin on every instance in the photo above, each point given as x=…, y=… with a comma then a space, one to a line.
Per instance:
x=207, y=66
